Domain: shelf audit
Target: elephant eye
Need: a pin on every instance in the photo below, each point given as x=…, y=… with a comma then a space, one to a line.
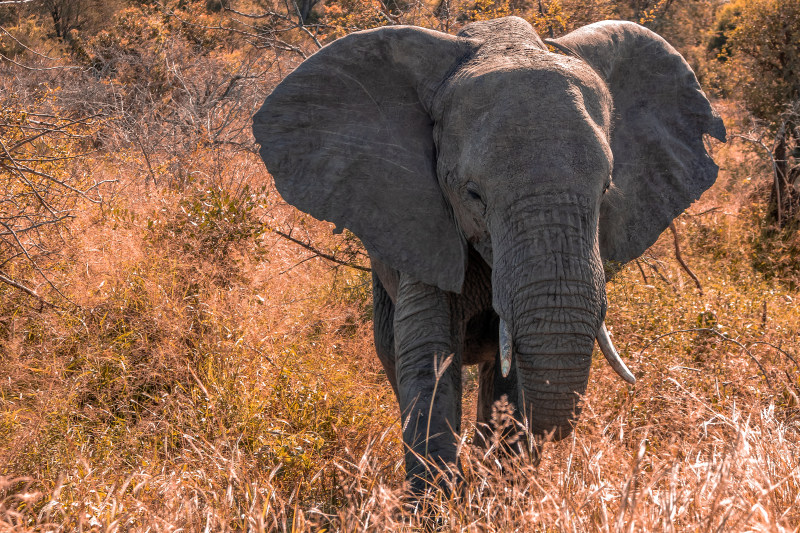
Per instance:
x=607, y=185
x=472, y=191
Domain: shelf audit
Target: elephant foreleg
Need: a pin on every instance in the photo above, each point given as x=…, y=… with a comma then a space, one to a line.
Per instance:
x=383, y=328
x=428, y=381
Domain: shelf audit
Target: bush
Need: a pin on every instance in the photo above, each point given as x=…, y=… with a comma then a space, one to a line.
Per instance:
x=211, y=221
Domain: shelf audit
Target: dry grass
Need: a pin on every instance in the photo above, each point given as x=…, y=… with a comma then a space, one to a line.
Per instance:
x=213, y=378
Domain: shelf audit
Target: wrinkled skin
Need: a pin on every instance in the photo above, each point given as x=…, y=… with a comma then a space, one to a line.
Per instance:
x=495, y=184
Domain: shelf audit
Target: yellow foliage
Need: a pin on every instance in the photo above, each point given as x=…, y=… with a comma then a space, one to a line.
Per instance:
x=346, y=16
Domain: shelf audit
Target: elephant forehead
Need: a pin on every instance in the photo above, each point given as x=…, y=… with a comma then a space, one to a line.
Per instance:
x=553, y=115
x=527, y=83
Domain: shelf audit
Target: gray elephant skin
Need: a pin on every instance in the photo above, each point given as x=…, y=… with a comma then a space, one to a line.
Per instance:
x=496, y=184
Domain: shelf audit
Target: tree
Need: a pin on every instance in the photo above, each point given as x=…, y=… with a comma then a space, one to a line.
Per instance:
x=69, y=16
x=758, y=45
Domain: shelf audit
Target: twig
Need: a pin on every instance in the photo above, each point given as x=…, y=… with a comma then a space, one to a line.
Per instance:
x=305, y=260
x=701, y=213
x=137, y=138
x=679, y=257
x=644, y=276
x=33, y=263
x=258, y=32
x=20, y=43
x=82, y=121
x=26, y=67
x=792, y=359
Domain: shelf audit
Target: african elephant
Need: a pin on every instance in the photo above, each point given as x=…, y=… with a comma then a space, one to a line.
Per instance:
x=496, y=184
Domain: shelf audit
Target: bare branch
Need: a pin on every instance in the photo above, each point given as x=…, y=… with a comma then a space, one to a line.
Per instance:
x=301, y=25
x=39, y=191
x=36, y=226
x=779, y=350
x=641, y=270
x=713, y=332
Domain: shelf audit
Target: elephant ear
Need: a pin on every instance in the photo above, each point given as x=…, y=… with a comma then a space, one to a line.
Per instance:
x=660, y=115
x=348, y=138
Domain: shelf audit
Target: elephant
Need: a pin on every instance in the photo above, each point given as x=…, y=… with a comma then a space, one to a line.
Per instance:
x=497, y=181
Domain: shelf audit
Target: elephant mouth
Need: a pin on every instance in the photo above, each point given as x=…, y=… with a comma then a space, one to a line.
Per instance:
x=603, y=340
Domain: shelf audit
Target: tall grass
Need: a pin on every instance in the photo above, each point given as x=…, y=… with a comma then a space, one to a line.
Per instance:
x=216, y=377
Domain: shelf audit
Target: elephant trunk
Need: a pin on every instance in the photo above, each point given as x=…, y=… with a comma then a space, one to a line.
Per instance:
x=549, y=290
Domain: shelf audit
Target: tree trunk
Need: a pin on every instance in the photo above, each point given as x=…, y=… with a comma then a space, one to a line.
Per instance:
x=304, y=8
x=784, y=202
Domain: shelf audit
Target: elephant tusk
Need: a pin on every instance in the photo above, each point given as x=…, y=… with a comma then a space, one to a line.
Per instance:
x=612, y=356
x=505, y=349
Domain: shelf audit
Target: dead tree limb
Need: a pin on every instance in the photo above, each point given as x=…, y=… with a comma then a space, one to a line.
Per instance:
x=319, y=253
x=26, y=290
x=679, y=257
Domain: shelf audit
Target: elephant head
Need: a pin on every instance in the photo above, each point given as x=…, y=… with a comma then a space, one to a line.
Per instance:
x=557, y=167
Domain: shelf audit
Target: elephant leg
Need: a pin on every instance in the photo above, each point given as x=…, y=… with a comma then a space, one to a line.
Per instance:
x=428, y=381
x=383, y=329
x=493, y=387
x=485, y=393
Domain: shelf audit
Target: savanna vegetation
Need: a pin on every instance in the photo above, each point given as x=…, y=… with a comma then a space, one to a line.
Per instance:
x=182, y=351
